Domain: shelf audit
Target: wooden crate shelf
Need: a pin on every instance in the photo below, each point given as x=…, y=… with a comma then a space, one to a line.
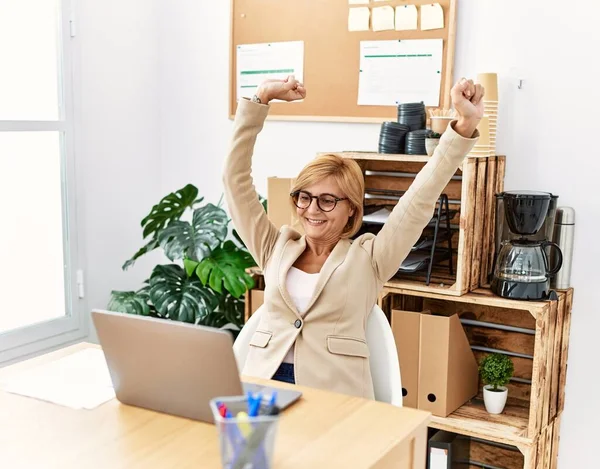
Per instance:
x=536, y=340
x=536, y=336
x=539, y=454
x=471, y=194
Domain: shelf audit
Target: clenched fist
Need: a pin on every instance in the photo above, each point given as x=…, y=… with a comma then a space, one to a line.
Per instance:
x=289, y=89
x=467, y=99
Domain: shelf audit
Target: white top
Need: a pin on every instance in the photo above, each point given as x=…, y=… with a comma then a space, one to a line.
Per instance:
x=300, y=286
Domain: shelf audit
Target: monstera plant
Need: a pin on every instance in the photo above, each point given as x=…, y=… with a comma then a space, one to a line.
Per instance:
x=207, y=278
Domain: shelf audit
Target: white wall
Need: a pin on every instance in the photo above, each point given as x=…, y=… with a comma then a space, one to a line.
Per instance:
x=544, y=129
x=118, y=148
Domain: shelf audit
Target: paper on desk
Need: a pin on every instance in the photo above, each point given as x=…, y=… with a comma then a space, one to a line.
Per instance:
x=406, y=17
x=383, y=18
x=432, y=16
x=380, y=216
x=358, y=19
x=79, y=381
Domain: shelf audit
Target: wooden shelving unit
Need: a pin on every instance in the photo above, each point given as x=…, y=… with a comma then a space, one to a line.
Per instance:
x=471, y=193
x=531, y=419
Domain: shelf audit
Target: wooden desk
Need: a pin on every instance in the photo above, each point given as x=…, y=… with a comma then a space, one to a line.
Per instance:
x=322, y=430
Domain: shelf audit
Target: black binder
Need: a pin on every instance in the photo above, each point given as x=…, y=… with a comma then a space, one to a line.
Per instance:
x=447, y=450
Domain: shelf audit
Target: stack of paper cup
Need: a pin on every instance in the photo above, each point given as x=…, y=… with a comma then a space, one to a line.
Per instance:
x=484, y=147
x=490, y=102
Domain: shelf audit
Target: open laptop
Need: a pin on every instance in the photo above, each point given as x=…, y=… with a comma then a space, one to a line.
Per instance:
x=171, y=366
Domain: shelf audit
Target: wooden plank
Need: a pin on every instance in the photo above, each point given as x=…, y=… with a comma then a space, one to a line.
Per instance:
x=555, y=375
x=479, y=312
x=564, y=354
x=452, y=190
x=472, y=419
x=545, y=448
x=529, y=455
x=539, y=375
x=384, y=164
x=481, y=296
x=500, y=170
x=555, y=442
x=373, y=156
x=465, y=246
x=555, y=363
x=479, y=215
x=489, y=454
x=488, y=231
x=498, y=339
x=550, y=338
x=417, y=287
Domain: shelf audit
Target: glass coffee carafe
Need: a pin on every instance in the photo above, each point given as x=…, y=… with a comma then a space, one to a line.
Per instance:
x=523, y=267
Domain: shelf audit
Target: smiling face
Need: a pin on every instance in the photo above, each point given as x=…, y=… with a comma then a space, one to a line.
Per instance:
x=320, y=225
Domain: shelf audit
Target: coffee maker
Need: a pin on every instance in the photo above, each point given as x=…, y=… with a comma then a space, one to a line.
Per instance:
x=524, y=230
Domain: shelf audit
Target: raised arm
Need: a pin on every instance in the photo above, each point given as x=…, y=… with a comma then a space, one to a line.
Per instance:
x=247, y=213
x=416, y=207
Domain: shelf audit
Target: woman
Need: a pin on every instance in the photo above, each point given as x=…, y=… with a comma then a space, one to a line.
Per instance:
x=320, y=287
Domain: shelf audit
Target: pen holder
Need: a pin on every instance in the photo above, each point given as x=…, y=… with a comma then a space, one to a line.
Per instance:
x=246, y=442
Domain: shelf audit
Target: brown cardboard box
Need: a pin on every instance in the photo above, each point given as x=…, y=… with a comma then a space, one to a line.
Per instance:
x=439, y=371
x=279, y=206
x=406, y=326
x=257, y=298
x=448, y=371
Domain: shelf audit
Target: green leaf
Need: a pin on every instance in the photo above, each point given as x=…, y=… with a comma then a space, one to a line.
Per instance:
x=226, y=267
x=130, y=302
x=179, y=297
x=153, y=244
x=169, y=209
x=496, y=370
x=196, y=240
x=190, y=266
x=232, y=310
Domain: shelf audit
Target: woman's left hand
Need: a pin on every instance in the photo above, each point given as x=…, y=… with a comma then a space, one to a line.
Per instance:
x=467, y=98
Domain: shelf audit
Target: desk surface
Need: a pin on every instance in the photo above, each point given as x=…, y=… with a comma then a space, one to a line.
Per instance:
x=322, y=428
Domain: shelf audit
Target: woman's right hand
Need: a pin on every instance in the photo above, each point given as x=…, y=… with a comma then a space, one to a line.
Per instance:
x=289, y=89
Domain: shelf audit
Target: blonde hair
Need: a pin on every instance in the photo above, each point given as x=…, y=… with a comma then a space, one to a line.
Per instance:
x=349, y=177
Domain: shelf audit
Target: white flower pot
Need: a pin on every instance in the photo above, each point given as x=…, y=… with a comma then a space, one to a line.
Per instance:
x=430, y=145
x=494, y=400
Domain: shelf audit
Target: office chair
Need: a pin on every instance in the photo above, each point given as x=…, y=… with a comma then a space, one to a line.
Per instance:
x=383, y=360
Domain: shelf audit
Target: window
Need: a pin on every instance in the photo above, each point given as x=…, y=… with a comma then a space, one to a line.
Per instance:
x=38, y=243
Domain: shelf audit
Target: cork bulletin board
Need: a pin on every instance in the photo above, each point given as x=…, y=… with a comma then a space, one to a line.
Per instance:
x=331, y=53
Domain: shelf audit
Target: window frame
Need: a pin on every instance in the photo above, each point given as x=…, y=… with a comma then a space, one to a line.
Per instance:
x=73, y=326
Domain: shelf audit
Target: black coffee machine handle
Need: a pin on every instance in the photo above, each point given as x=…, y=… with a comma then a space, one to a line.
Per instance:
x=558, y=260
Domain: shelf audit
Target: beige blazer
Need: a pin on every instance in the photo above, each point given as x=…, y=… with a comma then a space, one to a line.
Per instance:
x=331, y=351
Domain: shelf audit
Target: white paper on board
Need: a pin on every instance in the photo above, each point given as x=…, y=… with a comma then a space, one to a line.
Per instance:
x=358, y=19
x=432, y=17
x=406, y=18
x=395, y=71
x=274, y=60
x=383, y=18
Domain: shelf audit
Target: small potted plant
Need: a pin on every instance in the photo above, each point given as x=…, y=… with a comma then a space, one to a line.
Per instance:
x=431, y=142
x=496, y=370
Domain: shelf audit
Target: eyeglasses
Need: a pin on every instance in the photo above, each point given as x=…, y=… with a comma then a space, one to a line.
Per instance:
x=325, y=202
